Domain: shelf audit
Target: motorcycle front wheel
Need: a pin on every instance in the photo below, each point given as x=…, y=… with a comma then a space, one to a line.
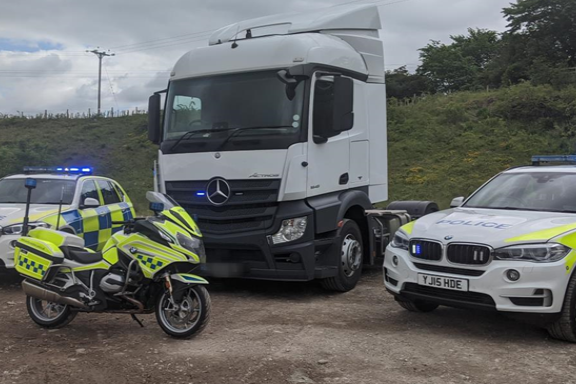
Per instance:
x=47, y=314
x=189, y=317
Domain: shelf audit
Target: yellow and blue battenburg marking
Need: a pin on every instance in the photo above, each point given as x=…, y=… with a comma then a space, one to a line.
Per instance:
x=32, y=266
x=150, y=262
x=95, y=225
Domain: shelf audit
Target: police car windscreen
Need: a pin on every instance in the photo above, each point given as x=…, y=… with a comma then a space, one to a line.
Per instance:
x=536, y=191
x=48, y=191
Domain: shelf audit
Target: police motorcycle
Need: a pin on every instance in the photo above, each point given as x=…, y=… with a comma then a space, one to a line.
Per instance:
x=143, y=269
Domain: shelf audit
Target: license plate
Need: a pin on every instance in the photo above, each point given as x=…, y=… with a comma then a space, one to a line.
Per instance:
x=443, y=282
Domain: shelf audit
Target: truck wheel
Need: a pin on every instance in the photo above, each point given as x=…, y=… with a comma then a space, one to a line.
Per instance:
x=417, y=305
x=350, y=261
x=565, y=327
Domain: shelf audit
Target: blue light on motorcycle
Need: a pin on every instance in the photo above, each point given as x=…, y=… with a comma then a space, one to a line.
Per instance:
x=30, y=183
x=156, y=207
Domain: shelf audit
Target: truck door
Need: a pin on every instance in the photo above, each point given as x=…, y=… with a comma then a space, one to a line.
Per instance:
x=331, y=117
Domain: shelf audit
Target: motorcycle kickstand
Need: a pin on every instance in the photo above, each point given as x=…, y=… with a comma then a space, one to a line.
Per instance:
x=137, y=320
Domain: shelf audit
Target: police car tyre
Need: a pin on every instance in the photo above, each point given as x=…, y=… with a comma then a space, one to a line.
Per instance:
x=565, y=327
x=349, y=271
x=34, y=307
x=418, y=305
x=201, y=295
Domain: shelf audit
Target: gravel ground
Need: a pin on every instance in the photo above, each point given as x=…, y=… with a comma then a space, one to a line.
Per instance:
x=264, y=332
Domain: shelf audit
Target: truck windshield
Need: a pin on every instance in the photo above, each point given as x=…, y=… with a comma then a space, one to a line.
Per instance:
x=536, y=191
x=48, y=191
x=202, y=113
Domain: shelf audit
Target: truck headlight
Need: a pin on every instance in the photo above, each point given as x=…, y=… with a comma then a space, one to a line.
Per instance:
x=400, y=241
x=539, y=253
x=16, y=229
x=291, y=229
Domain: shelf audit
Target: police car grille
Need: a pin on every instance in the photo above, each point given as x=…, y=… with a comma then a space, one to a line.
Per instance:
x=426, y=250
x=469, y=254
x=450, y=270
x=455, y=296
x=252, y=205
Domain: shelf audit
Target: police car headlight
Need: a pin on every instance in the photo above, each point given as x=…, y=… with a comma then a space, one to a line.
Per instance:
x=539, y=253
x=17, y=229
x=400, y=241
x=291, y=229
x=192, y=244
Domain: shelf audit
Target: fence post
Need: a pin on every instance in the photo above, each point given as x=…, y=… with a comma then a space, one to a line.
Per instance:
x=89, y=114
x=112, y=112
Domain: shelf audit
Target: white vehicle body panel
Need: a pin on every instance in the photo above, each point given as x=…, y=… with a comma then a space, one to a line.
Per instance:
x=495, y=228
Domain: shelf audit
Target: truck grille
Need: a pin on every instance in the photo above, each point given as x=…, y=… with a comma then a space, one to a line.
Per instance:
x=426, y=250
x=470, y=254
x=252, y=205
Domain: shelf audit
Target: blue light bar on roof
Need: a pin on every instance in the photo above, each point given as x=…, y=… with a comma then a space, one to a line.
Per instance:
x=539, y=160
x=67, y=170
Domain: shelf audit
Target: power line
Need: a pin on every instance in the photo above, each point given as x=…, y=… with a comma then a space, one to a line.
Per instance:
x=178, y=37
x=111, y=88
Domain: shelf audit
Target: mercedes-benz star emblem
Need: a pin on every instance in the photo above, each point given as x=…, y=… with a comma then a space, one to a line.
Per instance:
x=218, y=191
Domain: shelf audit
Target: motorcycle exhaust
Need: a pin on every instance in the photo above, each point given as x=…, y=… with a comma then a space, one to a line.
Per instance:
x=44, y=294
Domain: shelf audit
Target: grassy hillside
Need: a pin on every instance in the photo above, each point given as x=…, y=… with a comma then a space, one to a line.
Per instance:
x=116, y=147
x=439, y=147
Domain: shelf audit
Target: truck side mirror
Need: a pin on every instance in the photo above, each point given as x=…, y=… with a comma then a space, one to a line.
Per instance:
x=456, y=202
x=154, y=118
x=343, y=104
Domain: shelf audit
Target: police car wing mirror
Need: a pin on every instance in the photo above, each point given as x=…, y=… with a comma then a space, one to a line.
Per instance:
x=456, y=202
x=90, y=202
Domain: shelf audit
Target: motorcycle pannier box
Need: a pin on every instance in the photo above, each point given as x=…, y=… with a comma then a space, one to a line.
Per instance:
x=33, y=257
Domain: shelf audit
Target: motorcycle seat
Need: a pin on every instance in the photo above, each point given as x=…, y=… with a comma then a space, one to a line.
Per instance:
x=81, y=256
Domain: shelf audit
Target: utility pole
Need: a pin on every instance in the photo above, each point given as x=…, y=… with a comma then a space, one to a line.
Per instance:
x=100, y=54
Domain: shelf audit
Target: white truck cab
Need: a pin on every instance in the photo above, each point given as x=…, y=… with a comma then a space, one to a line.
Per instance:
x=510, y=247
x=274, y=137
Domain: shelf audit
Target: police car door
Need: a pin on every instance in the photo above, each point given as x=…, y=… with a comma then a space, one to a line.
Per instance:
x=90, y=216
x=113, y=210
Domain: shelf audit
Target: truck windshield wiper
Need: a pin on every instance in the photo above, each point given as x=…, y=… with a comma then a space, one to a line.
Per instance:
x=189, y=134
x=236, y=131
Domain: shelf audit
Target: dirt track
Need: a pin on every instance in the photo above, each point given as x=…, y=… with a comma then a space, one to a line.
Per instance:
x=285, y=333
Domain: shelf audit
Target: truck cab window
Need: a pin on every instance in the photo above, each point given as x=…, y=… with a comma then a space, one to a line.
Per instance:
x=324, y=108
x=186, y=112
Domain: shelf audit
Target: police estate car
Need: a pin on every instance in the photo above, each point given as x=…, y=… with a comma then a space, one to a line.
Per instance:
x=88, y=204
x=510, y=247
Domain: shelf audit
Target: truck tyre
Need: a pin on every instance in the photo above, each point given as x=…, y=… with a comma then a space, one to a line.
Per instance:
x=351, y=257
x=417, y=305
x=565, y=327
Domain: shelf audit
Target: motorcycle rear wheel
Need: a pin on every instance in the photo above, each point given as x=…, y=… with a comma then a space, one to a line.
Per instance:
x=47, y=314
x=192, y=316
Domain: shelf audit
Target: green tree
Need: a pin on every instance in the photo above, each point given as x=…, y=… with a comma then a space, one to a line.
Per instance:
x=462, y=65
x=401, y=84
x=550, y=26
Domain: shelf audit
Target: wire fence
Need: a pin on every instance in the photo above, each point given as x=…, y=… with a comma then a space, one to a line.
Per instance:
x=111, y=113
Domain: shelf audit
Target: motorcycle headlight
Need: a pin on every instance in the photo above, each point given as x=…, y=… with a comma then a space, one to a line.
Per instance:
x=539, y=253
x=192, y=244
x=17, y=229
x=400, y=241
x=290, y=230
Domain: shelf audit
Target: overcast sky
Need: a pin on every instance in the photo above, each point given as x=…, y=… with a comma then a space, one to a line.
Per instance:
x=43, y=63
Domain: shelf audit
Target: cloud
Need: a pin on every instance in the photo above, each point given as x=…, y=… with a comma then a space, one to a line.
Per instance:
x=43, y=63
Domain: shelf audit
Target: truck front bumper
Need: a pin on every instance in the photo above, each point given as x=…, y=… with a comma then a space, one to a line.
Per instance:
x=251, y=255
x=540, y=289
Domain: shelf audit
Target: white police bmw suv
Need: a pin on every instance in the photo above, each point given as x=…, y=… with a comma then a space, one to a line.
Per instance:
x=509, y=247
